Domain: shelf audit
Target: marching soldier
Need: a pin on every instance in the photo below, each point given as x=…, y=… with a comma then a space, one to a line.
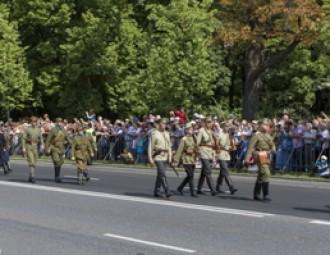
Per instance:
x=32, y=137
x=81, y=151
x=55, y=146
x=160, y=154
x=261, y=147
x=187, y=154
x=4, y=153
x=224, y=146
x=206, y=143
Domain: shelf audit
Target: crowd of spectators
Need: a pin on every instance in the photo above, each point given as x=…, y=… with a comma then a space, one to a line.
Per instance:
x=300, y=143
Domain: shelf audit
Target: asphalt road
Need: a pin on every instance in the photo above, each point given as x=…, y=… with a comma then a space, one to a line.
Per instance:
x=116, y=214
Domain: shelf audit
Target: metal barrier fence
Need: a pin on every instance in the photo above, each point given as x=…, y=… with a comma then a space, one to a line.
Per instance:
x=297, y=158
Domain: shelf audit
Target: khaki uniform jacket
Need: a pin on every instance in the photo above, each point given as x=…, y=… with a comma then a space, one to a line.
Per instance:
x=186, y=151
x=205, y=142
x=260, y=142
x=81, y=147
x=223, y=141
x=56, y=140
x=32, y=137
x=159, y=148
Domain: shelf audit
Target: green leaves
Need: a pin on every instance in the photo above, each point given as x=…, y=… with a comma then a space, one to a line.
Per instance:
x=15, y=84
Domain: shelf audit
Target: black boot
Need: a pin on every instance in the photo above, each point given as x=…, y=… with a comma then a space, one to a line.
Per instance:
x=200, y=184
x=265, y=191
x=210, y=184
x=86, y=176
x=256, y=192
x=233, y=190
x=182, y=185
x=8, y=169
x=58, y=174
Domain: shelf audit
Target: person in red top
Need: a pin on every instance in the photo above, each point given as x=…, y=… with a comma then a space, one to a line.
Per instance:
x=181, y=115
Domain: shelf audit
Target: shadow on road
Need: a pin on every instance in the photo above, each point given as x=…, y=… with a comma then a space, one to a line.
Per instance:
x=239, y=198
x=312, y=210
x=137, y=194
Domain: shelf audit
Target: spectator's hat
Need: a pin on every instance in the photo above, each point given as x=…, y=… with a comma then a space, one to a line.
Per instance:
x=323, y=157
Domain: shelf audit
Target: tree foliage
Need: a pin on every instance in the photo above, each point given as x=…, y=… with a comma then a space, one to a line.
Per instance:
x=15, y=84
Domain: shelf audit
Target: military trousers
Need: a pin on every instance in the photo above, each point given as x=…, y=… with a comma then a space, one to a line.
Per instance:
x=161, y=180
x=190, y=169
x=31, y=155
x=224, y=175
x=206, y=173
x=263, y=173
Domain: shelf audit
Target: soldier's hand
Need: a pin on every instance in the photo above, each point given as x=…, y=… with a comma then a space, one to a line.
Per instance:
x=152, y=163
x=92, y=155
x=73, y=158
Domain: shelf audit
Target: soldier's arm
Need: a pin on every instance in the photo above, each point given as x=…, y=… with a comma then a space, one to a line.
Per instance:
x=170, y=150
x=24, y=140
x=199, y=138
x=73, y=149
x=151, y=146
x=49, y=139
x=252, y=144
x=179, y=152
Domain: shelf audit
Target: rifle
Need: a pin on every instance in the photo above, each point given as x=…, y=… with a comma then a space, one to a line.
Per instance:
x=174, y=170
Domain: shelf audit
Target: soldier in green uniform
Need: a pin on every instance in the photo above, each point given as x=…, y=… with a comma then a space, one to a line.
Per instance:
x=186, y=153
x=32, y=137
x=160, y=154
x=261, y=147
x=55, y=147
x=81, y=151
x=206, y=142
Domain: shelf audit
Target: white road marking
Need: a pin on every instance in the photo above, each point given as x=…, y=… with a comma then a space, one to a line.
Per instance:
x=213, y=209
x=75, y=177
x=169, y=247
x=320, y=222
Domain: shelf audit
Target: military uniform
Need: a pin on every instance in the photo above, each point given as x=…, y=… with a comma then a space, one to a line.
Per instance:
x=55, y=146
x=4, y=154
x=261, y=146
x=223, y=146
x=160, y=153
x=81, y=151
x=186, y=153
x=206, y=143
x=32, y=137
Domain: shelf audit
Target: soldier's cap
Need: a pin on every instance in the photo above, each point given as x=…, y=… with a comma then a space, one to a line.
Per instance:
x=264, y=122
x=59, y=120
x=208, y=120
x=323, y=157
x=161, y=121
x=188, y=125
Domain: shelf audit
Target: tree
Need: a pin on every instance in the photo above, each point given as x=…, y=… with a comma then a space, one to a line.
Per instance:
x=183, y=65
x=268, y=31
x=15, y=84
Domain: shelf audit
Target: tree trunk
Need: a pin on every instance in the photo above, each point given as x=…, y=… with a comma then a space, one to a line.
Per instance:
x=252, y=82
